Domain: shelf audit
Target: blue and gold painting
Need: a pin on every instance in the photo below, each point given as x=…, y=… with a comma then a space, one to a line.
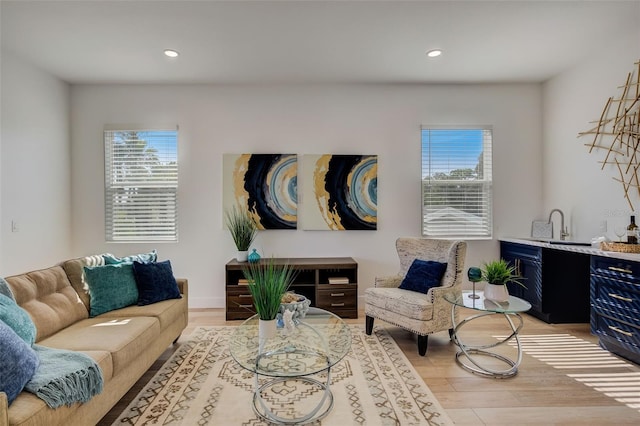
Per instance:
x=341, y=192
x=266, y=185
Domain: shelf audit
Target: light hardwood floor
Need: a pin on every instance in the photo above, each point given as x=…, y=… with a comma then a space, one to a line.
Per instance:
x=586, y=387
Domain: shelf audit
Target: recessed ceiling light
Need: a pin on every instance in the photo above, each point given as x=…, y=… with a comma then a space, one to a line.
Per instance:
x=171, y=53
x=434, y=53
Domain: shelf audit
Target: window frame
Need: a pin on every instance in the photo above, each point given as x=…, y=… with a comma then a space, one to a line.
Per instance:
x=153, y=210
x=482, y=231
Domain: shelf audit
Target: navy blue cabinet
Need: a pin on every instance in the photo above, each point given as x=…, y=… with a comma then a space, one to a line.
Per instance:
x=557, y=281
x=615, y=305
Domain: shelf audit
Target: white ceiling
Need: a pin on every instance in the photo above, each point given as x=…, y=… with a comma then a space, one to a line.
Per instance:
x=311, y=41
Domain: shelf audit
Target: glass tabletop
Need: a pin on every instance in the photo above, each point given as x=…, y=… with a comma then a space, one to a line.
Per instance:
x=316, y=343
x=513, y=305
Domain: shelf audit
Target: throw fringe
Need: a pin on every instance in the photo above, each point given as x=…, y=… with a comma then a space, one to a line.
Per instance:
x=65, y=377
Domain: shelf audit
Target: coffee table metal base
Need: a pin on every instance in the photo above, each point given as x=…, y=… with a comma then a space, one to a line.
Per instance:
x=468, y=357
x=260, y=407
x=324, y=406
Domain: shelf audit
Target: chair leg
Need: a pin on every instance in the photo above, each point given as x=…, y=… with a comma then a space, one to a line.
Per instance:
x=422, y=344
x=369, y=325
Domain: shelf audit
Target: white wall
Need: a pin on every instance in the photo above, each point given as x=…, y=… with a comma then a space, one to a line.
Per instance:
x=573, y=179
x=35, y=168
x=303, y=119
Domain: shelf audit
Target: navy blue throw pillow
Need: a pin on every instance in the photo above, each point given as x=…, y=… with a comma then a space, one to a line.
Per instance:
x=422, y=275
x=155, y=282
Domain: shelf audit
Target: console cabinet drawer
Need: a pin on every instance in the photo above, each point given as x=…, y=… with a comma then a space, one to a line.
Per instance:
x=337, y=297
x=239, y=302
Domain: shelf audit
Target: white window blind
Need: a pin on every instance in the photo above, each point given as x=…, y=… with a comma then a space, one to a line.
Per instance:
x=457, y=182
x=141, y=183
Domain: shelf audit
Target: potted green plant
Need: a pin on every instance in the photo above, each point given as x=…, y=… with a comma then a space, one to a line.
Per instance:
x=497, y=274
x=268, y=282
x=243, y=230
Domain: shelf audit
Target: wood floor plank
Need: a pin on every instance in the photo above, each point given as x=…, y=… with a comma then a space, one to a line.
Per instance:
x=541, y=394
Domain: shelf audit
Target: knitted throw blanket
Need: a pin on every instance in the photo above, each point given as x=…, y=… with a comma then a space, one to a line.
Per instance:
x=64, y=377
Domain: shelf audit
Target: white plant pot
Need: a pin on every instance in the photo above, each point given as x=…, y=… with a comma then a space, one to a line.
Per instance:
x=496, y=292
x=267, y=329
x=242, y=256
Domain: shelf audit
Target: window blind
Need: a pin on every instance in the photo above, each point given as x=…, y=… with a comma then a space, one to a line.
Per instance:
x=141, y=183
x=457, y=182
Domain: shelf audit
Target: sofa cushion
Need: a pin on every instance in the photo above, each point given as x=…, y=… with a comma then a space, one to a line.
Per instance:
x=49, y=299
x=110, y=287
x=422, y=275
x=110, y=259
x=167, y=311
x=18, y=319
x=19, y=362
x=125, y=338
x=29, y=409
x=155, y=282
x=75, y=271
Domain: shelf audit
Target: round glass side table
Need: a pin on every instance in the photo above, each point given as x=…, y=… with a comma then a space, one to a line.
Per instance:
x=470, y=356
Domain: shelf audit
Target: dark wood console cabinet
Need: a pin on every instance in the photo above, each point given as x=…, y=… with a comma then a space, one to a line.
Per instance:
x=311, y=281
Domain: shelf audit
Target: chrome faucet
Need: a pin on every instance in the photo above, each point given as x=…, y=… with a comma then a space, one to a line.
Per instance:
x=563, y=231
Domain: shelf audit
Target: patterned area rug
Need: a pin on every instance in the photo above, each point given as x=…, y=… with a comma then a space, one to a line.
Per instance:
x=202, y=384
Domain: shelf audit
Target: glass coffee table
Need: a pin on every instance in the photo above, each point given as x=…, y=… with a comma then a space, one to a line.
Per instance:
x=285, y=392
x=470, y=356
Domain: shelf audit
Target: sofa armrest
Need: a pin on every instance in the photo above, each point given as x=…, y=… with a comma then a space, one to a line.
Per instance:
x=4, y=409
x=183, y=286
x=393, y=281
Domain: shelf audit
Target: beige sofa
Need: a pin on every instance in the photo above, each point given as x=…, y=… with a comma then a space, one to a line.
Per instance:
x=124, y=342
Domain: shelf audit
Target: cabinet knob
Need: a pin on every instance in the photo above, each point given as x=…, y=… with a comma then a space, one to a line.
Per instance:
x=337, y=294
x=244, y=296
x=334, y=305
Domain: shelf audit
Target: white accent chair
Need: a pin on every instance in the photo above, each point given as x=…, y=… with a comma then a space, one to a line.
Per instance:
x=422, y=314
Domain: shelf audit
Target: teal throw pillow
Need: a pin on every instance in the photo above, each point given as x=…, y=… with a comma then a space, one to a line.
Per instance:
x=18, y=362
x=18, y=319
x=110, y=259
x=155, y=282
x=423, y=275
x=110, y=287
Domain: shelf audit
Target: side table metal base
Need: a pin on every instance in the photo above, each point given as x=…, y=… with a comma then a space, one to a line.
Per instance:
x=469, y=356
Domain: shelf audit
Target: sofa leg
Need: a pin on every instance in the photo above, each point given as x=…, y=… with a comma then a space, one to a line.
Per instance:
x=369, y=325
x=422, y=344
x=176, y=341
x=451, y=333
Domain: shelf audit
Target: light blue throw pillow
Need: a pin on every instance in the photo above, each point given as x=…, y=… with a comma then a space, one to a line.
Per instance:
x=110, y=287
x=18, y=362
x=18, y=319
x=150, y=257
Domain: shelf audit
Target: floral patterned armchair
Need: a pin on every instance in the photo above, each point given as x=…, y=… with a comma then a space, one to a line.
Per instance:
x=422, y=314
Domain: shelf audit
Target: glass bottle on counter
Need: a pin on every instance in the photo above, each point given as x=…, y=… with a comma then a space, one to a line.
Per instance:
x=632, y=231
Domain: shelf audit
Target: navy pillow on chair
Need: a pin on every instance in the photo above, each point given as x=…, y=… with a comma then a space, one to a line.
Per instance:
x=155, y=282
x=422, y=275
